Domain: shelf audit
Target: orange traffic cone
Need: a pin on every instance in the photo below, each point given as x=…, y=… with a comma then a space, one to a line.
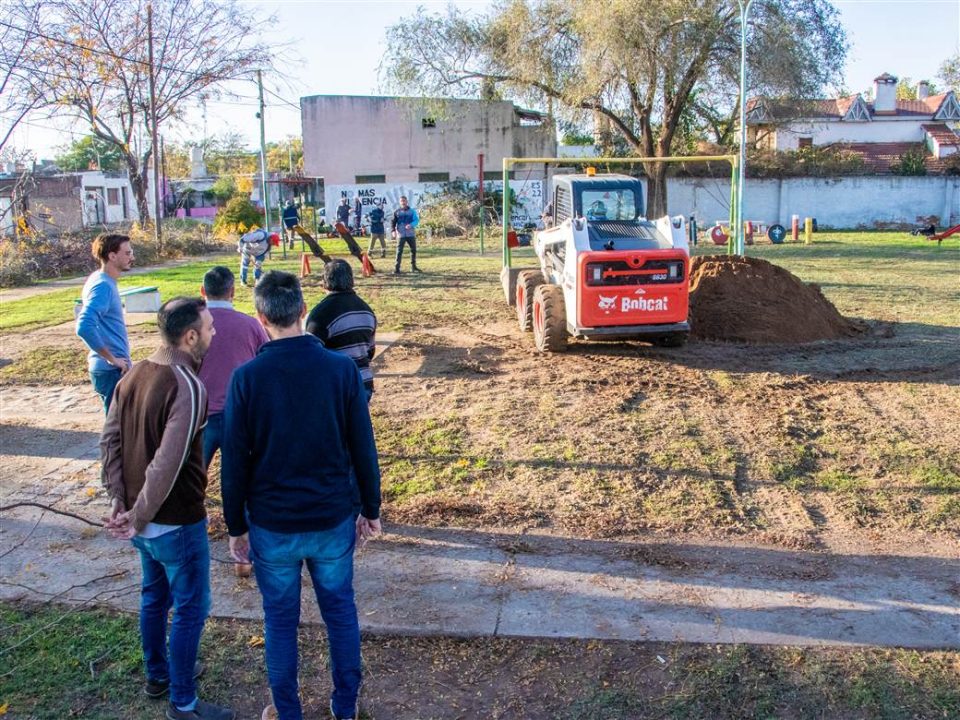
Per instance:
x=304, y=265
x=367, y=265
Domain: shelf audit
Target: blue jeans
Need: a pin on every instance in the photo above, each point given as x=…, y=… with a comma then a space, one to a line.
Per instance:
x=176, y=573
x=212, y=437
x=277, y=561
x=256, y=261
x=104, y=383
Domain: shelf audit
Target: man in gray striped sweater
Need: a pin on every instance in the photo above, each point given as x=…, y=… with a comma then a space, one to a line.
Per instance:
x=344, y=322
x=153, y=470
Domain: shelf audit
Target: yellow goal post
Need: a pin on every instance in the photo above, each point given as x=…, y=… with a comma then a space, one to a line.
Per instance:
x=736, y=224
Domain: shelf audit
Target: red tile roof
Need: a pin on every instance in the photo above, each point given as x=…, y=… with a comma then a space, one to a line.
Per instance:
x=941, y=133
x=879, y=157
x=836, y=108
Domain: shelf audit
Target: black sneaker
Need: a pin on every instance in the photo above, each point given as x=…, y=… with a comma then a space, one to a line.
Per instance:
x=416, y=269
x=202, y=711
x=156, y=689
x=396, y=272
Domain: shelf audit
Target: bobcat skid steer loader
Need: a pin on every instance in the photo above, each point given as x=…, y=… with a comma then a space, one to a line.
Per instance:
x=606, y=272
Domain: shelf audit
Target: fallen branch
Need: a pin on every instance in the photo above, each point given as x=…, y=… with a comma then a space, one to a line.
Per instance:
x=94, y=523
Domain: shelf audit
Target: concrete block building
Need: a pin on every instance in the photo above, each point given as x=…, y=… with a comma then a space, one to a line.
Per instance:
x=377, y=140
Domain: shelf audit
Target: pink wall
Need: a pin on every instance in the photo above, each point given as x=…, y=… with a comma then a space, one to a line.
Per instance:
x=203, y=212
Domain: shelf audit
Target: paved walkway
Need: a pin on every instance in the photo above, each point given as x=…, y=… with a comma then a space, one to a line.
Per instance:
x=417, y=581
x=11, y=294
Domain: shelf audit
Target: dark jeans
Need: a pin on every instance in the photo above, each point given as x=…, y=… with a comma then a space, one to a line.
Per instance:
x=176, y=573
x=277, y=561
x=104, y=383
x=412, y=242
x=212, y=437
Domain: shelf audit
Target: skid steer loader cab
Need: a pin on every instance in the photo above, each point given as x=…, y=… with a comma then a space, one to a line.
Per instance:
x=617, y=274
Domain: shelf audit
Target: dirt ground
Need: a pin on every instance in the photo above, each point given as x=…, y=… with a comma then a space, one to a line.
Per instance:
x=839, y=446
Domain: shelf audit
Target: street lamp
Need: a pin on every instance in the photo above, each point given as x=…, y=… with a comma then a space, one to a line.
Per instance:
x=742, y=165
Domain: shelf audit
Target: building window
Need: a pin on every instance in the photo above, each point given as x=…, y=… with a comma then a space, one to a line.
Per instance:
x=497, y=175
x=113, y=196
x=428, y=123
x=370, y=179
x=434, y=177
x=805, y=142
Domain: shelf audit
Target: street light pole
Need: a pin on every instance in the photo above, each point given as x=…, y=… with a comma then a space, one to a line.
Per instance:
x=742, y=166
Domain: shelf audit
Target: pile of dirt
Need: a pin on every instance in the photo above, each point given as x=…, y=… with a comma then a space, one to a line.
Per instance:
x=744, y=299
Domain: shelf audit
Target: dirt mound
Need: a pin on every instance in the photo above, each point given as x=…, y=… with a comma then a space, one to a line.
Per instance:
x=751, y=300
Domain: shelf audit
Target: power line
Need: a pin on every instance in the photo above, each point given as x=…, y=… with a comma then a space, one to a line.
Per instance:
x=282, y=99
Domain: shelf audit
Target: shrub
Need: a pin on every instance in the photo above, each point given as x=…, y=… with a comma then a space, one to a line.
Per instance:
x=237, y=216
x=31, y=258
x=910, y=163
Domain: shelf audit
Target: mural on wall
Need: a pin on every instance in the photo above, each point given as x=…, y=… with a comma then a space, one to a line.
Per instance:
x=526, y=207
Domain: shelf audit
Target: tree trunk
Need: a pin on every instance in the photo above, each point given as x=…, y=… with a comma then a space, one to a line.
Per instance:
x=656, y=190
x=139, y=186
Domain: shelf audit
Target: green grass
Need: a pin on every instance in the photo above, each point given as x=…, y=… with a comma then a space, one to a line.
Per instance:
x=60, y=663
x=51, y=365
x=876, y=275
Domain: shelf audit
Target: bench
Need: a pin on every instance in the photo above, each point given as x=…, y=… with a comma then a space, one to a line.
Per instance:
x=135, y=300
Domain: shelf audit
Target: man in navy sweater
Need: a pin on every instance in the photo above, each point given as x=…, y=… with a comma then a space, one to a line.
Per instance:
x=287, y=503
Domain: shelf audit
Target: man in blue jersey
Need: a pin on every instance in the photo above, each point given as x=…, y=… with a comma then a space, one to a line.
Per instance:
x=404, y=226
x=100, y=324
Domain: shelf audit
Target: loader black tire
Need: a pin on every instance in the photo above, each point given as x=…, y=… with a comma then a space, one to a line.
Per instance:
x=527, y=282
x=549, y=319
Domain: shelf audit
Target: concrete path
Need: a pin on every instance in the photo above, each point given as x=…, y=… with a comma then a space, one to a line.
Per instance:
x=11, y=294
x=417, y=581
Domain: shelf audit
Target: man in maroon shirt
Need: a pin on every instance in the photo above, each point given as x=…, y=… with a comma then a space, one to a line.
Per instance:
x=238, y=340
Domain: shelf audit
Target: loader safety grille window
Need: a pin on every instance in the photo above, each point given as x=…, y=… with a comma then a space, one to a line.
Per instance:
x=564, y=205
x=619, y=272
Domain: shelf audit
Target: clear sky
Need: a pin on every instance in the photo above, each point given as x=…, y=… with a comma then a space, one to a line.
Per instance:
x=336, y=47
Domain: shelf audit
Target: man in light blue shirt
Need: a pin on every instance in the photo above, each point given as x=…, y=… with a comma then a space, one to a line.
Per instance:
x=100, y=324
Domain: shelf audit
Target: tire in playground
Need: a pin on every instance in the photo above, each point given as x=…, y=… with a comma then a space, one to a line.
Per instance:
x=718, y=235
x=777, y=234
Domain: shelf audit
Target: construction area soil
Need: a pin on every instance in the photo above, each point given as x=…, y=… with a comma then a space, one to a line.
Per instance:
x=751, y=300
x=834, y=445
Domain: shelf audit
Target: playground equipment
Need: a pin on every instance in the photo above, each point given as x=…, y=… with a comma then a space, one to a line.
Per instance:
x=930, y=232
x=317, y=251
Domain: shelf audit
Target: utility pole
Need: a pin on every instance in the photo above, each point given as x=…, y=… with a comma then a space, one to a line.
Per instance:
x=263, y=160
x=153, y=134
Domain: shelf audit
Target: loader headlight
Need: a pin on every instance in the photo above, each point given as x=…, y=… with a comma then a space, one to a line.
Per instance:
x=594, y=274
x=674, y=270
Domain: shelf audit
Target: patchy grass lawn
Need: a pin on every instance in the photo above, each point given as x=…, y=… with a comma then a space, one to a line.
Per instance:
x=86, y=664
x=798, y=446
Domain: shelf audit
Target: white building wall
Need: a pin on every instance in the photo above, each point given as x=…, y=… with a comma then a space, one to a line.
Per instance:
x=848, y=202
x=833, y=131
x=526, y=207
x=99, y=207
x=347, y=136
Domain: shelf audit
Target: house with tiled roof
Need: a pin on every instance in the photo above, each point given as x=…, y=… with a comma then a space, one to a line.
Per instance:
x=881, y=130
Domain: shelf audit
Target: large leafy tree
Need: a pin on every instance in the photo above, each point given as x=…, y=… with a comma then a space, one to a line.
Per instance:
x=89, y=152
x=950, y=72
x=89, y=59
x=641, y=69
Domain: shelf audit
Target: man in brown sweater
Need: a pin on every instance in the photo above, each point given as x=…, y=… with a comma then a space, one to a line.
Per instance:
x=153, y=470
